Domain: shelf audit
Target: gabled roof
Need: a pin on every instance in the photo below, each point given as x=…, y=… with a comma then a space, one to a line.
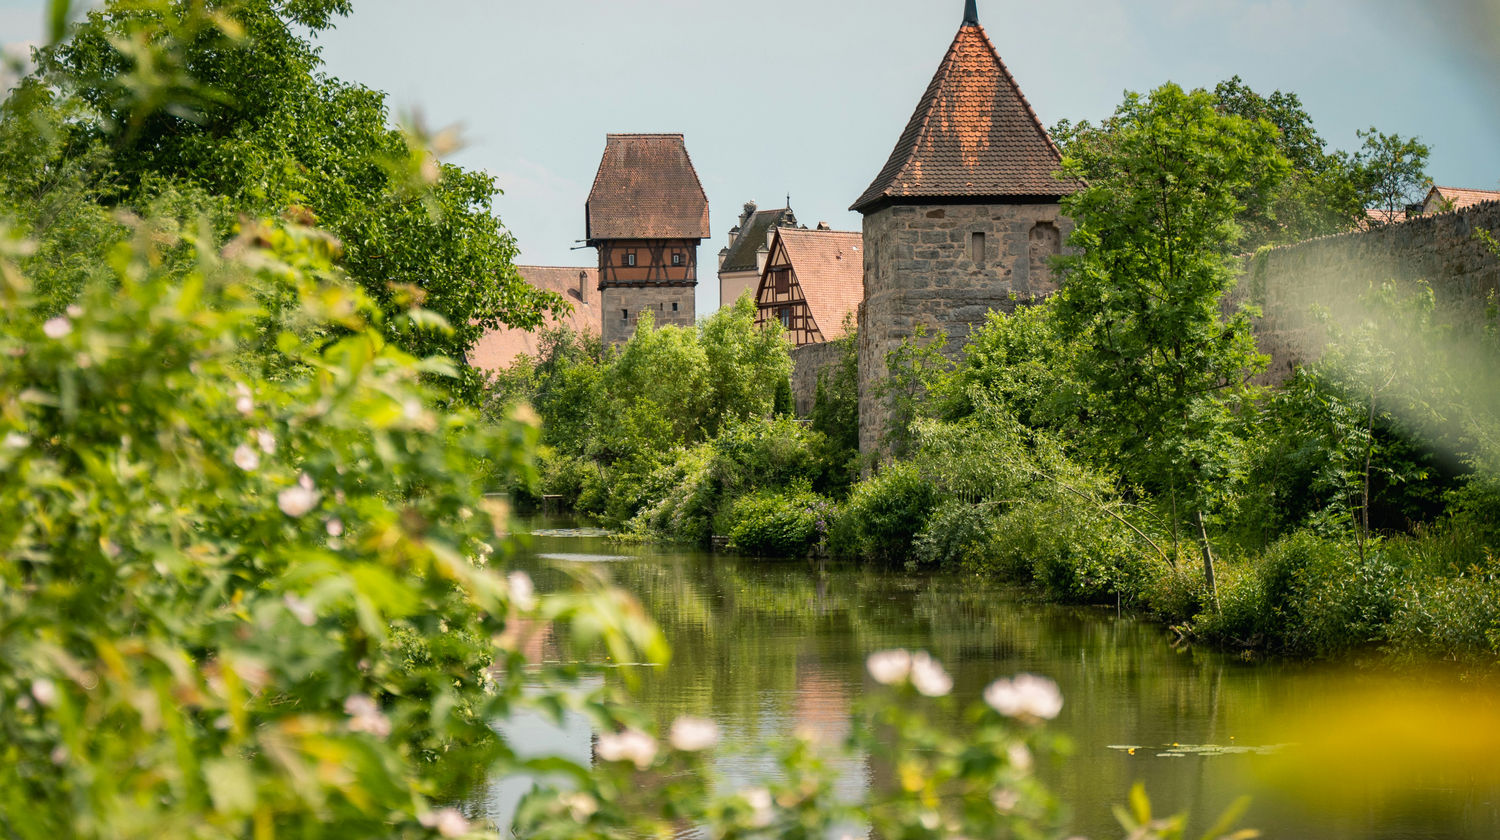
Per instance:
x=1460, y=197
x=753, y=238
x=973, y=135
x=497, y=349
x=829, y=267
x=646, y=188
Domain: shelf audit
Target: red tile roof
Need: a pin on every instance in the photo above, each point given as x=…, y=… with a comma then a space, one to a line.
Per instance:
x=646, y=188
x=498, y=348
x=829, y=265
x=973, y=135
x=1460, y=197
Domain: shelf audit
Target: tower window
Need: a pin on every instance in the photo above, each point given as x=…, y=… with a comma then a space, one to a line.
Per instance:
x=630, y=258
x=786, y=317
x=676, y=258
x=976, y=248
x=674, y=306
x=624, y=314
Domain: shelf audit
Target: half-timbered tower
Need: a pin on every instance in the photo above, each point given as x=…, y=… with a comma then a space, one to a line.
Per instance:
x=646, y=215
x=963, y=219
x=812, y=282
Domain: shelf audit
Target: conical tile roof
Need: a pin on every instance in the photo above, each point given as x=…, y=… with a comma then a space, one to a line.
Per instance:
x=973, y=135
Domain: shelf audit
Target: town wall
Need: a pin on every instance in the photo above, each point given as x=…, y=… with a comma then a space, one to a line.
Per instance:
x=634, y=299
x=1301, y=288
x=919, y=269
x=808, y=361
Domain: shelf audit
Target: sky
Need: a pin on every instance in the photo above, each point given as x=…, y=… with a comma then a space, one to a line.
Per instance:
x=806, y=98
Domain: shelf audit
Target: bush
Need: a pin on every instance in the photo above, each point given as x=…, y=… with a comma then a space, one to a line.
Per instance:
x=1321, y=599
x=778, y=524
x=1450, y=618
x=959, y=535
x=883, y=516
x=686, y=499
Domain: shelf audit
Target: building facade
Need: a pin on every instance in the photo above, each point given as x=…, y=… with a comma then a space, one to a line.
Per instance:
x=812, y=283
x=964, y=218
x=646, y=215
x=743, y=259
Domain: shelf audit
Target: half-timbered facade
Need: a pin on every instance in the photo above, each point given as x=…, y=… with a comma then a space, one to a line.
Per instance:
x=646, y=214
x=812, y=283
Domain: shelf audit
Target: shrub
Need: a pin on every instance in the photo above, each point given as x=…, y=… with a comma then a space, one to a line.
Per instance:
x=778, y=523
x=1321, y=598
x=959, y=535
x=686, y=499
x=1450, y=617
x=883, y=515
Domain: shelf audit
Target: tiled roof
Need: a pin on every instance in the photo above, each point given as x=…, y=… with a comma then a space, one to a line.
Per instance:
x=973, y=135
x=498, y=348
x=829, y=265
x=1461, y=198
x=646, y=188
x=753, y=238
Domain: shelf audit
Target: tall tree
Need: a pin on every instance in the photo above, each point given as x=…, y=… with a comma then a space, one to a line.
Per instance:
x=228, y=100
x=1394, y=170
x=1156, y=231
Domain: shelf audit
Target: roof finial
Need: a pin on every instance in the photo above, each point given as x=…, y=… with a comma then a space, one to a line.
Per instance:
x=971, y=12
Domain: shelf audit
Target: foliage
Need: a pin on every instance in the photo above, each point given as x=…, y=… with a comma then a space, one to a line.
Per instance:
x=778, y=523
x=912, y=370
x=1394, y=169
x=835, y=410
x=883, y=515
x=226, y=104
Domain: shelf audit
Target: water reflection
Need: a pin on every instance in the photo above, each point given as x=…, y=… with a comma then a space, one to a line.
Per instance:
x=767, y=648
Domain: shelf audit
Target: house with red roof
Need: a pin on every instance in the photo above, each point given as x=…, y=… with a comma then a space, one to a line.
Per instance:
x=812, y=283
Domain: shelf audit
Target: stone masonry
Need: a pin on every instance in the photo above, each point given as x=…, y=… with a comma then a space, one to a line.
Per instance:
x=1291, y=285
x=919, y=269
x=621, y=309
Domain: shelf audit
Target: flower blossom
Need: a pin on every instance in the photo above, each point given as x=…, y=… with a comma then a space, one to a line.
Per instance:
x=759, y=800
x=632, y=745
x=45, y=691
x=297, y=501
x=334, y=527
x=448, y=822
x=300, y=610
x=58, y=327
x=1026, y=696
x=522, y=591
x=246, y=458
x=928, y=676
x=16, y=440
x=693, y=734
x=889, y=667
x=266, y=441
x=244, y=403
x=365, y=716
x=580, y=805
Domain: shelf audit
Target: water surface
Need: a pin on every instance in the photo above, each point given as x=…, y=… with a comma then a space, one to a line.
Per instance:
x=768, y=647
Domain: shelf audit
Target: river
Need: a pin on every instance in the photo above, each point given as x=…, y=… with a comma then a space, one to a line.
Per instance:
x=768, y=647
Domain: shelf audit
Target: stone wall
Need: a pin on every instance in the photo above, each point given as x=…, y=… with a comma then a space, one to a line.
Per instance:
x=920, y=269
x=633, y=299
x=808, y=361
x=1301, y=287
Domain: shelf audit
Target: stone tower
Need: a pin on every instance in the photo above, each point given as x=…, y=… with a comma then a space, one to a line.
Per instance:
x=646, y=214
x=963, y=218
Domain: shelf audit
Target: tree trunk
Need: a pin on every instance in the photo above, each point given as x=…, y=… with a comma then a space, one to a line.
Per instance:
x=1208, y=563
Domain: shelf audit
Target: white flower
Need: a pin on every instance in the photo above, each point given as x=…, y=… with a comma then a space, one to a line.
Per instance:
x=889, y=667
x=448, y=822
x=266, y=441
x=522, y=591
x=244, y=403
x=631, y=745
x=45, y=691
x=365, y=716
x=929, y=677
x=246, y=458
x=16, y=440
x=1005, y=801
x=300, y=610
x=580, y=805
x=75, y=311
x=297, y=501
x=335, y=527
x=58, y=327
x=1019, y=756
x=759, y=800
x=1026, y=696
x=693, y=734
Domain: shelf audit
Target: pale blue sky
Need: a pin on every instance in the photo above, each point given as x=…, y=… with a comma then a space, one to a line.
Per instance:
x=807, y=97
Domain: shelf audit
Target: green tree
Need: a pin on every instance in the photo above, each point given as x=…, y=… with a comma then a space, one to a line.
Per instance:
x=747, y=365
x=1156, y=231
x=228, y=101
x=1394, y=169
